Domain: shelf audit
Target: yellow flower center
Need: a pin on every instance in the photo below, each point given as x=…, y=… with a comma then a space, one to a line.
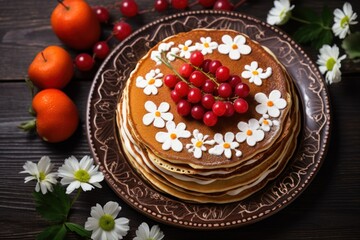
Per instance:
x=199, y=144
x=344, y=22
x=157, y=114
x=270, y=103
x=206, y=45
x=185, y=48
x=173, y=136
x=255, y=72
x=151, y=81
x=330, y=64
x=266, y=122
x=107, y=222
x=226, y=145
x=42, y=176
x=82, y=175
x=249, y=132
x=234, y=46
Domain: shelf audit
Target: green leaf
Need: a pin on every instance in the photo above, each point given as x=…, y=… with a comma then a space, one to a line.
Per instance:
x=56, y=232
x=53, y=206
x=325, y=37
x=78, y=229
x=326, y=17
x=351, y=45
x=306, y=14
x=307, y=33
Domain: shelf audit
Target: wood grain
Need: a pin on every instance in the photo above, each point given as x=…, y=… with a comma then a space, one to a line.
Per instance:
x=328, y=209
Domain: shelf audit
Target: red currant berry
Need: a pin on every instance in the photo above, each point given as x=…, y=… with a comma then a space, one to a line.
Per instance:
x=219, y=108
x=207, y=3
x=229, y=109
x=129, y=8
x=222, y=73
x=84, y=62
x=196, y=58
x=197, y=78
x=171, y=80
x=179, y=4
x=223, y=5
x=185, y=70
x=197, y=112
x=161, y=5
x=209, y=86
x=224, y=90
x=207, y=101
x=194, y=95
x=102, y=14
x=214, y=65
x=122, y=30
x=241, y=105
x=101, y=50
x=183, y=107
x=205, y=65
x=210, y=118
x=242, y=90
x=182, y=88
x=234, y=80
x=175, y=96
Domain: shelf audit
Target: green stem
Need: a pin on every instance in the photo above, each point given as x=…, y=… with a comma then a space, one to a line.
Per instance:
x=76, y=197
x=308, y=22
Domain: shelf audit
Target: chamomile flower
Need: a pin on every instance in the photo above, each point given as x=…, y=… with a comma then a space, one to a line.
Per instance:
x=250, y=132
x=343, y=19
x=186, y=49
x=156, y=54
x=225, y=145
x=270, y=105
x=206, y=46
x=41, y=172
x=329, y=63
x=151, y=82
x=104, y=224
x=280, y=13
x=82, y=174
x=256, y=74
x=157, y=115
x=266, y=123
x=145, y=233
x=198, y=142
x=170, y=139
x=234, y=47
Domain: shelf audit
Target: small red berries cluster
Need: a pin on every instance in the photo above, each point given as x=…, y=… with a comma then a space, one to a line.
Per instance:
x=122, y=29
x=205, y=89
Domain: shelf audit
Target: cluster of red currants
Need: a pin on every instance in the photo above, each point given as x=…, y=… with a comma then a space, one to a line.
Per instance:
x=205, y=89
x=122, y=29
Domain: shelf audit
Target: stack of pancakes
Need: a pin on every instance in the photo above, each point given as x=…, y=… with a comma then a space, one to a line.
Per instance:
x=211, y=178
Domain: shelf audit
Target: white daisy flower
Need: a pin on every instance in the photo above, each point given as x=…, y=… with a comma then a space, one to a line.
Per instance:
x=151, y=82
x=225, y=145
x=266, y=123
x=234, y=47
x=104, y=224
x=156, y=54
x=256, y=74
x=342, y=20
x=271, y=105
x=186, y=49
x=157, y=115
x=145, y=233
x=41, y=172
x=82, y=174
x=198, y=142
x=170, y=139
x=280, y=13
x=250, y=132
x=206, y=46
x=172, y=53
x=329, y=62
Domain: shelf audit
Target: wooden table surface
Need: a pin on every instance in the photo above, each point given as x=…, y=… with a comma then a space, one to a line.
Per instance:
x=328, y=209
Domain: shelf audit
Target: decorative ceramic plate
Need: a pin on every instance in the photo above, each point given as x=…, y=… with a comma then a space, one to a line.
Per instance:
x=106, y=148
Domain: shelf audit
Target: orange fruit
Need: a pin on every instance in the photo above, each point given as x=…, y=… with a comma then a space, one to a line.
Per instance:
x=75, y=23
x=51, y=68
x=57, y=116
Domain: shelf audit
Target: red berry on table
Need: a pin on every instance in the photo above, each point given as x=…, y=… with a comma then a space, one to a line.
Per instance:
x=101, y=50
x=210, y=119
x=129, y=8
x=207, y=101
x=229, y=109
x=185, y=70
x=214, y=65
x=241, y=105
x=225, y=90
x=194, y=95
x=219, y=108
x=209, y=86
x=222, y=73
x=161, y=5
x=207, y=3
x=234, y=80
x=197, y=112
x=84, y=62
x=223, y=5
x=175, y=96
x=122, y=30
x=179, y=4
x=197, y=78
x=182, y=88
x=183, y=107
x=196, y=58
x=102, y=14
x=242, y=90
x=205, y=65
x=171, y=80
